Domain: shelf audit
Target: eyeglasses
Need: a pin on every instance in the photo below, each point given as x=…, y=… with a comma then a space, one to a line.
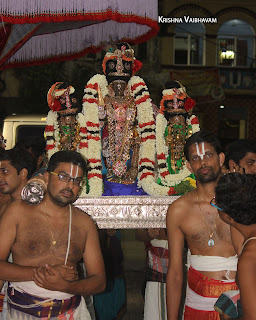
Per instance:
x=212, y=203
x=66, y=178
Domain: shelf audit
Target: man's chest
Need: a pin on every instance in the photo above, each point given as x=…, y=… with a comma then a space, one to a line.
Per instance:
x=208, y=231
x=38, y=240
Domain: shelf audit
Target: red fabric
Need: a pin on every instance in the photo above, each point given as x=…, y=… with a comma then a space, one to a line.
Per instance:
x=192, y=314
x=84, y=16
x=15, y=46
x=5, y=32
x=195, y=121
x=206, y=287
x=189, y=104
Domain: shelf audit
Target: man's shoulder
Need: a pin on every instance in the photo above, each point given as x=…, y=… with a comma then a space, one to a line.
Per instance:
x=184, y=202
x=82, y=217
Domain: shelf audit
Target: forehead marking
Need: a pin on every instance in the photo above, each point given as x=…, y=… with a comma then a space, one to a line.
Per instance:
x=199, y=153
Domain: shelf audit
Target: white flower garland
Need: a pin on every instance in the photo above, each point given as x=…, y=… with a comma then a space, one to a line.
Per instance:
x=145, y=121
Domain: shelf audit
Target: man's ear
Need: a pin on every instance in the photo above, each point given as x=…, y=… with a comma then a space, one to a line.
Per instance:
x=24, y=173
x=222, y=158
x=232, y=164
x=189, y=167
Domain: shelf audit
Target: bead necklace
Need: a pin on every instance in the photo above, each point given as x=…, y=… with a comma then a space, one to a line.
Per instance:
x=210, y=241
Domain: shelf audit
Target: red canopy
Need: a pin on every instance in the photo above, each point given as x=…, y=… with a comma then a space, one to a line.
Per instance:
x=37, y=32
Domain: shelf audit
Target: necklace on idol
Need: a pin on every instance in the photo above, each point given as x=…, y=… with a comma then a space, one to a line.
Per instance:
x=211, y=240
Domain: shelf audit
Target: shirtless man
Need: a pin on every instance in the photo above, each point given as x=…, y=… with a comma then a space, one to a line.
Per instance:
x=16, y=168
x=42, y=238
x=213, y=260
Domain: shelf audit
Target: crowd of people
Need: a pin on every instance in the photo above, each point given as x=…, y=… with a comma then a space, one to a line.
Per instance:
x=42, y=245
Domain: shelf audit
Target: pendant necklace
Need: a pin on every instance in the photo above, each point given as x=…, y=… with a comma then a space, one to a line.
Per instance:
x=210, y=241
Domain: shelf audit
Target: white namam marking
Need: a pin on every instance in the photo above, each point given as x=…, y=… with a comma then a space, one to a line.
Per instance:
x=73, y=169
x=201, y=153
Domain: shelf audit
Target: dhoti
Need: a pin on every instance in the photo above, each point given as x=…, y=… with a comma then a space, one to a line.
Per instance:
x=203, y=292
x=57, y=305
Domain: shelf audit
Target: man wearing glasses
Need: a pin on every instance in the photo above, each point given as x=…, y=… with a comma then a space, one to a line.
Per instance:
x=47, y=241
x=212, y=258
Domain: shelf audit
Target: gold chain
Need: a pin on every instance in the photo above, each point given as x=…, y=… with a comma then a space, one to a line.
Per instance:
x=210, y=241
x=47, y=215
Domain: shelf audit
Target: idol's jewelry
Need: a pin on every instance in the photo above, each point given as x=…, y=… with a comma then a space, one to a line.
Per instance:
x=210, y=241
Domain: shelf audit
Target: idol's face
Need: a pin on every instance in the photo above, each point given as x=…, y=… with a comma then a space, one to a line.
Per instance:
x=204, y=162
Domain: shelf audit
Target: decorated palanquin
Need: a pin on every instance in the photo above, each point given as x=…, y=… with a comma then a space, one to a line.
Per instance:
x=120, y=127
x=174, y=125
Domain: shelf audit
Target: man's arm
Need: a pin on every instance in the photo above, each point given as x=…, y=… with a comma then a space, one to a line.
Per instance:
x=237, y=240
x=95, y=280
x=8, y=227
x=246, y=280
x=175, y=269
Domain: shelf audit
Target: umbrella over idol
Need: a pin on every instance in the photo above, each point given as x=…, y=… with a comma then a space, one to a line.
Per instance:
x=37, y=32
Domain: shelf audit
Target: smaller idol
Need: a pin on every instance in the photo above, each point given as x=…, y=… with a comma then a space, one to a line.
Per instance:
x=65, y=130
x=175, y=123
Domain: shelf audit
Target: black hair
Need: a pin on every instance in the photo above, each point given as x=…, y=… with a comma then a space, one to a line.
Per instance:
x=235, y=195
x=19, y=158
x=237, y=150
x=35, y=144
x=67, y=156
x=202, y=136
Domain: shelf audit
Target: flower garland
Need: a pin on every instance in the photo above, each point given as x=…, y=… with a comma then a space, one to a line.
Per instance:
x=90, y=111
x=52, y=133
x=146, y=129
x=168, y=179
